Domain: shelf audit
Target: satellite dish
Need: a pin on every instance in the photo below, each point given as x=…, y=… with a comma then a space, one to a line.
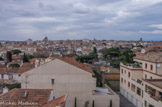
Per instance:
x=158, y=65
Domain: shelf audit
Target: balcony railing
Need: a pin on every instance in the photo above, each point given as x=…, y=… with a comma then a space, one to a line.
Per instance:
x=151, y=92
x=132, y=66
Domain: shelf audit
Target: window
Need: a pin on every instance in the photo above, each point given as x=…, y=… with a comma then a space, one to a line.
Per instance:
x=52, y=81
x=124, y=81
x=128, y=74
x=145, y=76
x=145, y=66
x=128, y=84
x=122, y=71
x=138, y=91
x=150, y=77
x=151, y=67
x=2, y=76
x=125, y=71
x=121, y=80
x=133, y=87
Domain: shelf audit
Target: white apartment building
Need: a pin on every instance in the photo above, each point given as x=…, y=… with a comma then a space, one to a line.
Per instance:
x=141, y=83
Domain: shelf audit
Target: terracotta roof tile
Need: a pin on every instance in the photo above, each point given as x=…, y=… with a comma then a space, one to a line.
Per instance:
x=38, y=96
x=152, y=57
x=15, y=58
x=61, y=101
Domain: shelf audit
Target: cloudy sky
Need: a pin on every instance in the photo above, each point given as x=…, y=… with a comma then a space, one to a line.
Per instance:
x=78, y=19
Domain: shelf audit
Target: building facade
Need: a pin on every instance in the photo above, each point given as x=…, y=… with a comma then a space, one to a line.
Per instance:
x=65, y=76
x=141, y=82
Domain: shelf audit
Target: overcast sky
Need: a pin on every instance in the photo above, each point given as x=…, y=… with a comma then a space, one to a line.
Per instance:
x=78, y=19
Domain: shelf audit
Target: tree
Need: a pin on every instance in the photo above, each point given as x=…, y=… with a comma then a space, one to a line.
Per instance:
x=93, y=103
x=11, y=86
x=25, y=58
x=110, y=103
x=9, y=56
x=99, y=79
x=30, y=56
x=128, y=56
x=14, y=65
x=88, y=58
x=75, y=103
x=114, y=52
x=15, y=51
x=94, y=54
x=1, y=58
x=94, y=50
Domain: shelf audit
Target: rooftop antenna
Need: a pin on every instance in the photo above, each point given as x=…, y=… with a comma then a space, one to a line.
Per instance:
x=26, y=82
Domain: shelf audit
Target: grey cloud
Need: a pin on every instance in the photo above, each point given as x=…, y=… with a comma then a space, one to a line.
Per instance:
x=69, y=19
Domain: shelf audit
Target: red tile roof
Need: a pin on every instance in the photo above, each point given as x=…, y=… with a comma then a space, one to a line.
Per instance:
x=36, y=96
x=15, y=58
x=152, y=57
x=61, y=101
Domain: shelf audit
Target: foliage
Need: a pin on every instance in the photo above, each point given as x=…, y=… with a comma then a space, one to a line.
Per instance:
x=1, y=58
x=110, y=103
x=128, y=56
x=11, y=86
x=99, y=79
x=140, y=46
x=9, y=56
x=114, y=52
x=14, y=65
x=115, y=63
x=15, y=51
x=107, y=83
x=115, y=56
x=75, y=103
x=25, y=58
x=30, y=56
x=88, y=58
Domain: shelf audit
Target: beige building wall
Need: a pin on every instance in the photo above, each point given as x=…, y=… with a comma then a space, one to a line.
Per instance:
x=159, y=68
x=68, y=79
x=151, y=100
x=144, y=73
x=148, y=65
x=17, y=77
x=127, y=92
x=150, y=75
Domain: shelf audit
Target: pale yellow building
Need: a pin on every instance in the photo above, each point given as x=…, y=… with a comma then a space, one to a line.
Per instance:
x=141, y=83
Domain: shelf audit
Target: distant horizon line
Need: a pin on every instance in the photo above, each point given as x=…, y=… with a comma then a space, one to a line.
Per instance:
x=80, y=39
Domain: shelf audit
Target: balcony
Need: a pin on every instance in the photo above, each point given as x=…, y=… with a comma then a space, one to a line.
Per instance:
x=137, y=82
x=154, y=94
x=135, y=65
